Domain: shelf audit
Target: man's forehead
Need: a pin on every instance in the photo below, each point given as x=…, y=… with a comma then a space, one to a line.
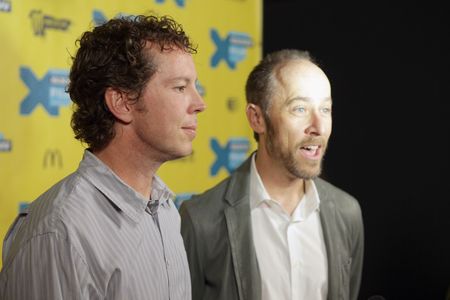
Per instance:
x=299, y=69
x=169, y=56
x=301, y=79
x=156, y=55
x=290, y=100
x=176, y=70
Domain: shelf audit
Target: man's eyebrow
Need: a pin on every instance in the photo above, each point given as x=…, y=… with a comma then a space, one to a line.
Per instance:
x=305, y=99
x=179, y=78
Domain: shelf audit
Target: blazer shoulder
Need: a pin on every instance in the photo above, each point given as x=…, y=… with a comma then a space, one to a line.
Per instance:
x=209, y=200
x=342, y=200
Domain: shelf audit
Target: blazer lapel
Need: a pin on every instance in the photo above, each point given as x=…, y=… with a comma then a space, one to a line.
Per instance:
x=239, y=228
x=328, y=221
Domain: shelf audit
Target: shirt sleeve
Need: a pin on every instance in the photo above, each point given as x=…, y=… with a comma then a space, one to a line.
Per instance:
x=45, y=267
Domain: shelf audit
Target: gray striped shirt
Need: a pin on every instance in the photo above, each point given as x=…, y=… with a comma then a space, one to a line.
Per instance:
x=91, y=236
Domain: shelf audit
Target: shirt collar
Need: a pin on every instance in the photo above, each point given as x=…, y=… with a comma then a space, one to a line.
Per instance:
x=161, y=192
x=117, y=191
x=309, y=203
x=258, y=194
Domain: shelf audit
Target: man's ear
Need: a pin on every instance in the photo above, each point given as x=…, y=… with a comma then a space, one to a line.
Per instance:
x=118, y=104
x=255, y=118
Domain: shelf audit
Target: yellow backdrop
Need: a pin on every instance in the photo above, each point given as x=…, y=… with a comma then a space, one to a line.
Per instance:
x=37, y=147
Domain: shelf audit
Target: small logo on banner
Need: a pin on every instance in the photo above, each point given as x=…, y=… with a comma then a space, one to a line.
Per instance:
x=52, y=159
x=5, y=145
x=41, y=23
x=180, y=3
x=49, y=91
x=231, y=156
x=99, y=17
x=180, y=198
x=232, y=49
x=5, y=5
x=232, y=104
x=23, y=207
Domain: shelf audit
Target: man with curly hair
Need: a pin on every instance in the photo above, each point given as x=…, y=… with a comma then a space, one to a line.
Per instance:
x=110, y=229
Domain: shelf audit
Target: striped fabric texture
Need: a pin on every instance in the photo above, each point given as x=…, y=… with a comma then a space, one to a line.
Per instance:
x=91, y=236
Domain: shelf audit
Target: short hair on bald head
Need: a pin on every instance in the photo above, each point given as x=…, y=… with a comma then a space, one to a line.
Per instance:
x=260, y=85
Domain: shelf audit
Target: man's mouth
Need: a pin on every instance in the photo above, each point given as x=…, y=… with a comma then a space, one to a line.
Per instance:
x=311, y=151
x=191, y=130
x=311, y=147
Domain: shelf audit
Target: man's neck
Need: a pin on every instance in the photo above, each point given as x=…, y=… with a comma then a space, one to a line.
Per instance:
x=134, y=169
x=279, y=183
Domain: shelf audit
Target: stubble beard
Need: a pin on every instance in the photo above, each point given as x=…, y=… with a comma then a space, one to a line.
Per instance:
x=306, y=170
x=162, y=154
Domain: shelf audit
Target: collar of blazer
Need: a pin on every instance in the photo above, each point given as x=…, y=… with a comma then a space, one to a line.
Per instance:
x=239, y=186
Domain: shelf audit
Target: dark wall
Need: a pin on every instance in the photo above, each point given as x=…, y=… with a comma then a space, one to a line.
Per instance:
x=388, y=68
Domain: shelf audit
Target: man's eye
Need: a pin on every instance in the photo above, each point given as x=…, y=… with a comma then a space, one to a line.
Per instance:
x=326, y=110
x=299, y=109
x=180, y=88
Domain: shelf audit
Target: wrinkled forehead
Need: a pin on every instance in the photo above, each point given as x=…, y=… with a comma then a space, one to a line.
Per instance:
x=301, y=78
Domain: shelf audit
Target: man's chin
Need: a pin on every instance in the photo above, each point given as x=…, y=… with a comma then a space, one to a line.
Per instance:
x=182, y=155
x=314, y=173
x=312, y=176
x=307, y=173
x=179, y=154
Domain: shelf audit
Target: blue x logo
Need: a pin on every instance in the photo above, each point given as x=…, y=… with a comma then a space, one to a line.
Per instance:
x=232, y=49
x=49, y=91
x=231, y=156
x=99, y=17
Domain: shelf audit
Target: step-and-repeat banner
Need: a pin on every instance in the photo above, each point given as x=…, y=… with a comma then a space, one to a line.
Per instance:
x=37, y=38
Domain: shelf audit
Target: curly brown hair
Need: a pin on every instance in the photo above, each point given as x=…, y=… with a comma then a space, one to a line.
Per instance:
x=112, y=55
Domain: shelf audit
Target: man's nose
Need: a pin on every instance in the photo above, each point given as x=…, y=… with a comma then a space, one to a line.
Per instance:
x=316, y=125
x=198, y=104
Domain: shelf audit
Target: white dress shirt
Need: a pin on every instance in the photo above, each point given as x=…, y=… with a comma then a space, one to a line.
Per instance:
x=290, y=250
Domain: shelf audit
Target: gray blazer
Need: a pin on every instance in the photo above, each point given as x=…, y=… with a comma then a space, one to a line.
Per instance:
x=217, y=233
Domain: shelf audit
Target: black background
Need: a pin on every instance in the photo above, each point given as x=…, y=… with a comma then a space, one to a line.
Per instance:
x=388, y=67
